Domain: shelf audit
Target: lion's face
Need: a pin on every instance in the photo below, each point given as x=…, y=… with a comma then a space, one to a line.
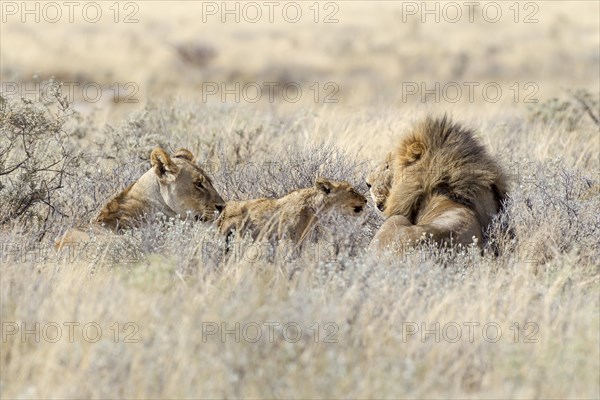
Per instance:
x=185, y=187
x=342, y=196
x=379, y=183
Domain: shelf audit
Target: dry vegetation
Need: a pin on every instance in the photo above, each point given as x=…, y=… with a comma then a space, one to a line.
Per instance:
x=168, y=285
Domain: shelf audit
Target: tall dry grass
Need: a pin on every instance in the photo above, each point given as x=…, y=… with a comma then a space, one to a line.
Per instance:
x=156, y=313
x=370, y=327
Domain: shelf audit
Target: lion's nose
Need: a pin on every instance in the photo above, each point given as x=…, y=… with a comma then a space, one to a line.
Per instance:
x=380, y=206
x=220, y=207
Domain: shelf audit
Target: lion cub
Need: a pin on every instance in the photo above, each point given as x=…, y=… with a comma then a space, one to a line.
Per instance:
x=293, y=216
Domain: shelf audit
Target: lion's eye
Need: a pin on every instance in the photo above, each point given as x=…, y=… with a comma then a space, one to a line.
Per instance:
x=387, y=167
x=199, y=185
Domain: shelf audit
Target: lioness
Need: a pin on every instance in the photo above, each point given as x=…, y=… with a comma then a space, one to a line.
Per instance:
x=438, y=183
x=292, y=216
x=174, y=187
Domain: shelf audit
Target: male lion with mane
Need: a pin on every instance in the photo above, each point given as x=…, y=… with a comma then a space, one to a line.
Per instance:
x=174, y=186
x=438, y=183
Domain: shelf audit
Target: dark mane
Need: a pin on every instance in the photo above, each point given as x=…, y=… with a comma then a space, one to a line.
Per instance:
x=440, y=157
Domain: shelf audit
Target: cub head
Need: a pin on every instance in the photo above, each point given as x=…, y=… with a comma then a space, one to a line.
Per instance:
x=379, y=182
x=341, y=195
x=184, y=186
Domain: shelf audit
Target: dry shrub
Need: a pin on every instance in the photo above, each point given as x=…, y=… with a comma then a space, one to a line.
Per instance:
x=36, y=159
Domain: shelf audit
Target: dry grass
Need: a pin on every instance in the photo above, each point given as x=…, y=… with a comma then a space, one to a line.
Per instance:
x=168, y=284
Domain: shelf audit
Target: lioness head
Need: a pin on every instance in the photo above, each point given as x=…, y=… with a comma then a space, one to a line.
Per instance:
x=184, y=186
x=341, y=195
x=379, y=182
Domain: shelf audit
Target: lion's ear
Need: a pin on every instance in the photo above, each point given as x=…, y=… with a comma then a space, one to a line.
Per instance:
x=324, y=185
x=414, y=151
x=184, y=154
x=164, y=167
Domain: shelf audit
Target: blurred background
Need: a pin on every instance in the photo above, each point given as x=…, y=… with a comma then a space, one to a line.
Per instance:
x=116, y=57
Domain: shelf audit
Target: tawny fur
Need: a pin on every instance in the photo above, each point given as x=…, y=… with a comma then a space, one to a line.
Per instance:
x=379, y=182
x=443, y=183
x=293, y=216
x=174, y=186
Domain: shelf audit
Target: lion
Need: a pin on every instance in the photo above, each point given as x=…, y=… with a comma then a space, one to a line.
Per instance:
x=438, y=184
x=174, y=186
x=293, y=216
x=379, y=182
